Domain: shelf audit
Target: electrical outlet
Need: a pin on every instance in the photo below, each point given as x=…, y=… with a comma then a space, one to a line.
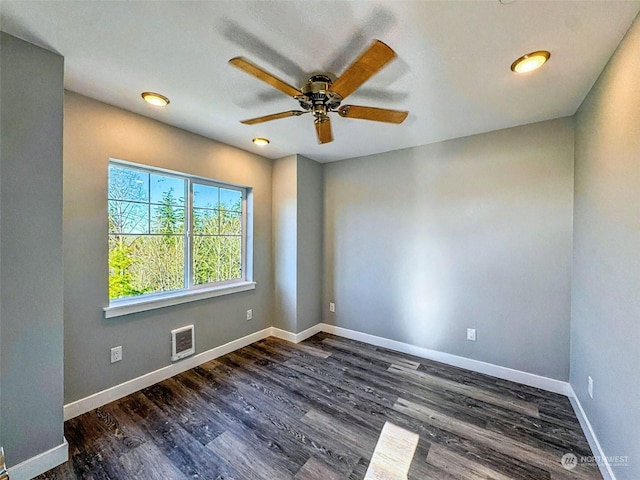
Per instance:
x=116, y=354
x=590, y=386
x=471, y=334
x=332, y=307
x=249, y=314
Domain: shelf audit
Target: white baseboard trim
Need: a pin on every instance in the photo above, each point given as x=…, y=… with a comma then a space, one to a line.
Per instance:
x=99, y=399
x=297, y=337
x=544, y=383
x=34, y=466
x=596, y=448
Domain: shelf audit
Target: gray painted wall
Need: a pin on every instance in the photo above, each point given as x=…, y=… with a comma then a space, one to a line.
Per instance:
x=474, y=232
x=309, y=254
x=31, y=294
x=605, y=333
x=297, y=242
x=285, y=242
x=94, y=132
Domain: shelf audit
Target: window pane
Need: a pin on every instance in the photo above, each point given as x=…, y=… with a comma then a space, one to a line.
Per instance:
x=128, y=217
x=216, y=259
x=205, y=259
x=205, y=196
x=205, y=221
x=167, y=190
x=230, y=223
x=167, y=219
x=231, y=199
x=229, y=265
x=142, y=264
x=128, y=184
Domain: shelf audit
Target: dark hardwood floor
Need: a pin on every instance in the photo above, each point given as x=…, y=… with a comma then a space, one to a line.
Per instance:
x=276, y=410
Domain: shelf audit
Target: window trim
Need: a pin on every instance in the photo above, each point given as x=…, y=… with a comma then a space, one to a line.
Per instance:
x=191, y=292
x=175, y=297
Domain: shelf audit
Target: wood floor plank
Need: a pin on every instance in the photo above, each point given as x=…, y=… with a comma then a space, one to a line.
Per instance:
x=556, y=413
x=277, y=410
x=489, y=457
x=376, y=355
x=389, y=386
x=288, y=434
x=147, y=461
x=316, y=469
x=321, y=394
x=528, y=408
x=251, y=464
x=499, y=386
x=363, y=441
x=359, y=470
x=187, y=454
x=532, y=474
x=98, y=455
x=493, y=458
x=311, y=395
x=460, y=466
x=446, y=371
x=434, y=473
x=316, y=352
x=514, y=448
x=195, y=417
x=260, y=431
x=558, y=441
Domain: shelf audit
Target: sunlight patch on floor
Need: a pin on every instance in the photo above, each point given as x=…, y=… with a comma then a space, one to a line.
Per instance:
x=393, y=454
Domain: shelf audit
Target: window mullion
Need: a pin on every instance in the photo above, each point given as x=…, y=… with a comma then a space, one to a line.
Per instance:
x=243, y=237
x=149, y=206
x=188, y=225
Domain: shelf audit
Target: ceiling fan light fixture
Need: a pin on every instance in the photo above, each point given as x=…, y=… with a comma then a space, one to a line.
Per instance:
x=155, y=99
x=530, y=62
x=261, y=141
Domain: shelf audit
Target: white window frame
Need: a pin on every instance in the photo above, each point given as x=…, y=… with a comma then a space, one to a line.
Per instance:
x=191, y=292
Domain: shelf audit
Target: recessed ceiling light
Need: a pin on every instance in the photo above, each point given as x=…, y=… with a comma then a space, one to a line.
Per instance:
x=530, y=62
x=155, y=99
x=261, y=142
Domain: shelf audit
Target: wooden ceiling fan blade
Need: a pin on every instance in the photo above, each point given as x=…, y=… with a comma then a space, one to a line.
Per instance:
x=261, y=74
x=372, y=113
x=273, y=116
x=323, y=130
x=373, y=59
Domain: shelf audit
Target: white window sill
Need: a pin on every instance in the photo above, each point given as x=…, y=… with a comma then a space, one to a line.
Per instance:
x=135, y=305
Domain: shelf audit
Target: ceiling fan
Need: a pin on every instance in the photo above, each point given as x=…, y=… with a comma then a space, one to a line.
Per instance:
x=321, y=96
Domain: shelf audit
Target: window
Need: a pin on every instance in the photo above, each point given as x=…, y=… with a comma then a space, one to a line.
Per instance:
x=171, y=233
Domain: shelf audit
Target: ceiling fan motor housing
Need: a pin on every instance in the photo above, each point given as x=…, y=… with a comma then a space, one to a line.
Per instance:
x=317, y=96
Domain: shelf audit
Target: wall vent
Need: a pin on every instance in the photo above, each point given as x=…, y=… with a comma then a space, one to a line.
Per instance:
x=183, y=342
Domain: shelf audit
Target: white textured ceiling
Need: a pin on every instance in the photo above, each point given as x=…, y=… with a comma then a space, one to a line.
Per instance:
x=452, y=71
